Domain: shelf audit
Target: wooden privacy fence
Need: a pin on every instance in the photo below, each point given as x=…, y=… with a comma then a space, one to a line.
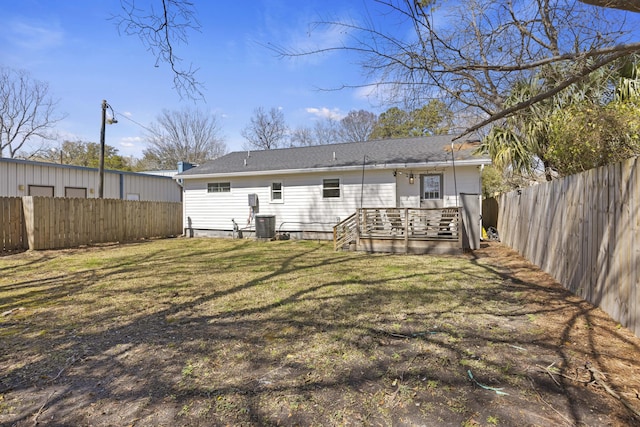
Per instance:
x=490, y=212
x=54, y=223
x=12, y=230
x=584, y=230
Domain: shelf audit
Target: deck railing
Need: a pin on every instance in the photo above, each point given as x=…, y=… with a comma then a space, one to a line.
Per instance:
x=415, y=223
x=435, y=224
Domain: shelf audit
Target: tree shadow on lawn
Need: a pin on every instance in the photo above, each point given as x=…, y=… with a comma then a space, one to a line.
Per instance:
x=590, y=348
x=390, y=347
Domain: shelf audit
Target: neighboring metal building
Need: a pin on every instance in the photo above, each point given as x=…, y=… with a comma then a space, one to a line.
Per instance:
x=27, y=178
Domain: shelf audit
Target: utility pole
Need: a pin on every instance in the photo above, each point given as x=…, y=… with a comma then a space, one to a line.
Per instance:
x=101, y=167
x=112, y=120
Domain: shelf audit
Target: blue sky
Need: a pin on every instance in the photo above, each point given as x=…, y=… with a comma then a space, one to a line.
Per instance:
x=76, y=48
x=72, y=45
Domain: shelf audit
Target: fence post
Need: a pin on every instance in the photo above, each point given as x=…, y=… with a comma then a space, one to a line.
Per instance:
x=29, y=221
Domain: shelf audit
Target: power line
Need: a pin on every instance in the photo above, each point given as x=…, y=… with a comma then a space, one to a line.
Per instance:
x=134, y=122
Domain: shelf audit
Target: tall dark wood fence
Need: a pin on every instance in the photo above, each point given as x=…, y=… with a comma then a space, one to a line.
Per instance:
x=584, y=230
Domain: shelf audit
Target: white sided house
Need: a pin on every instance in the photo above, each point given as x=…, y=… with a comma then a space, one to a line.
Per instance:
x=27, y=178
x=306, y=191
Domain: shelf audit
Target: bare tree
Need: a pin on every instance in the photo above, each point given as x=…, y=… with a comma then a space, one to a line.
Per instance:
x=162, y=27
x=185, y=135
x=266, y=130
x=326, y=131
x=166, y=23
x=27, y=112
x=357, y=126
x=301, y=137
x=471, y=53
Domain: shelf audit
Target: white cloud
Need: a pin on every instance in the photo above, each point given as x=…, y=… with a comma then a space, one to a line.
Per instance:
x=310, y=39
x=130, y=141
x=33, y=36
x=325, y=113
x=367, y=92
x=64, y=135
x=319, y=37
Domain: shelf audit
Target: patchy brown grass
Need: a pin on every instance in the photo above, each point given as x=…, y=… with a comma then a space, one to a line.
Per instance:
x=228, y=332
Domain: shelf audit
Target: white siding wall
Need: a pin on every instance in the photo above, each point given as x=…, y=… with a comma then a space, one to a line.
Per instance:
x=302, y=207
x=467, y=177
x=15, y=175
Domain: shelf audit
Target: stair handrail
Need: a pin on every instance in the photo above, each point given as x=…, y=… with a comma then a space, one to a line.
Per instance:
x=345, y=231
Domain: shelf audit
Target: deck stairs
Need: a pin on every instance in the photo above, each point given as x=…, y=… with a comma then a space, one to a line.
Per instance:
x=345, y=233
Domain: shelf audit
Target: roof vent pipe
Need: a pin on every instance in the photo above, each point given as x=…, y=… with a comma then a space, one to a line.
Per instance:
x=334, y=155
x=248, y=153
x=245, y=162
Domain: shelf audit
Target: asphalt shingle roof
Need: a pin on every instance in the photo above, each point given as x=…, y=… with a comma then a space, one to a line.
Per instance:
x=384, y=151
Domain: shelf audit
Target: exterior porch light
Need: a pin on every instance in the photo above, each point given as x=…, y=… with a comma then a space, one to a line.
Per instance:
x=411, y=178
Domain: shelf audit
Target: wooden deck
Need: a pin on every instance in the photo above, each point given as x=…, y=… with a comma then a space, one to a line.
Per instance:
x=401, y=230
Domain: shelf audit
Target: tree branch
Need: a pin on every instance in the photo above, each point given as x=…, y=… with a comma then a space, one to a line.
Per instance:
x=628, y=5
x=160, y=32
x=586, y=70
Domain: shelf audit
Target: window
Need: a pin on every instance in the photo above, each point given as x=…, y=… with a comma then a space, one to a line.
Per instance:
x=41, y=190
x=431, y=187
x=75, y=192
x=218, y=187
x=133, y=196
x=330, y=188
x=276, y=192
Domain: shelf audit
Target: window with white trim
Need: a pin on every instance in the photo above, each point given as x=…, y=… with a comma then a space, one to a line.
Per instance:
x=277, y=192
x=431, y=187
x=330, y=188
x=218, y=187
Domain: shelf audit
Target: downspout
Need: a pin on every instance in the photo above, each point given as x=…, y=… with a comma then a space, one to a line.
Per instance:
x=359, y=211
x=455, y=181
x=364, y=160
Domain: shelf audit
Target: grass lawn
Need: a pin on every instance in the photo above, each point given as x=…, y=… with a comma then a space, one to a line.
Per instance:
x=236, y=332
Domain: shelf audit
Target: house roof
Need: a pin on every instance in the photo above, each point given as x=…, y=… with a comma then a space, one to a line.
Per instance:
x=384, y=153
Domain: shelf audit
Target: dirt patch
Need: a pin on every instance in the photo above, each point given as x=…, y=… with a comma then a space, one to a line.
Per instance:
x=217, y=332
x=585, y=350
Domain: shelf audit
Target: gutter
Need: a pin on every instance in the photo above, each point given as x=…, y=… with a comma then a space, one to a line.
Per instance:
x=358, y=168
